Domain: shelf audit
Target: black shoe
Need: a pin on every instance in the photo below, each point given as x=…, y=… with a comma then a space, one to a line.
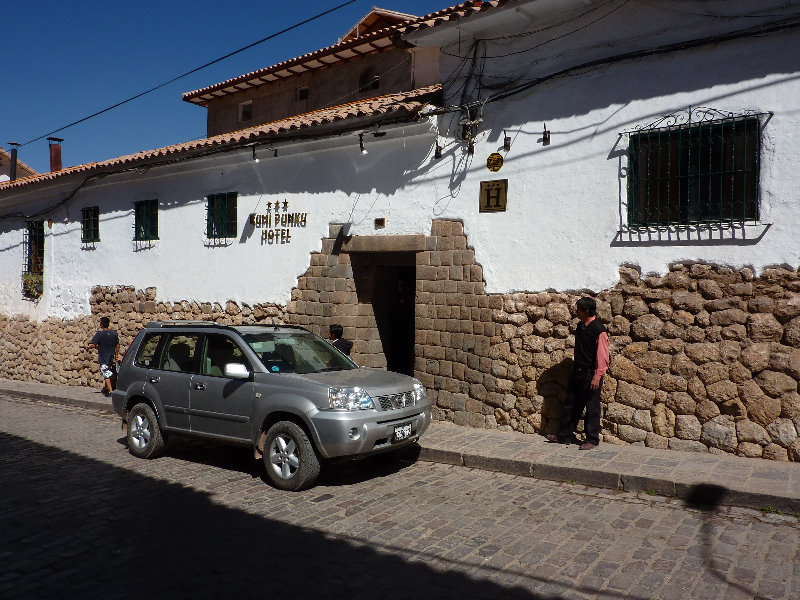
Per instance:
x=106, y=392
x=552, y=438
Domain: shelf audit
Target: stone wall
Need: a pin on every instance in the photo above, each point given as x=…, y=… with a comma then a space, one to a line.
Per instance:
x=704, y=358
x=54, y=350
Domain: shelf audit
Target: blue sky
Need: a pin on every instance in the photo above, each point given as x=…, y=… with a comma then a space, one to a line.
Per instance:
x=66, y=60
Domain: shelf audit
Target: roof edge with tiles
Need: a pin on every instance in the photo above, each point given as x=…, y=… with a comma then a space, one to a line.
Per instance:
x=376, y=41
x=400, y=105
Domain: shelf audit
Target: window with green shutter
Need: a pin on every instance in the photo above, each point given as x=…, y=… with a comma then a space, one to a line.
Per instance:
x=90, y=224
x=221, y=216
x=145, y=220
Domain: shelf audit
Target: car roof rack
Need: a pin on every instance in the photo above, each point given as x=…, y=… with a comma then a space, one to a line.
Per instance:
x=179, y=323
x=200, y=323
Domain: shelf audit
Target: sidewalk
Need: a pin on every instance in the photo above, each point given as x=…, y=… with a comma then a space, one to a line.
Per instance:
x=748, y=482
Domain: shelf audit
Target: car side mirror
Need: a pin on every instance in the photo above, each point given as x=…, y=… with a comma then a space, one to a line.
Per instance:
x=236, y=371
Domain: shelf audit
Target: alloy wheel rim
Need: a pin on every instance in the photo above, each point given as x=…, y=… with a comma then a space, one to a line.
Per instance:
x=283, y=457
x=140, y=432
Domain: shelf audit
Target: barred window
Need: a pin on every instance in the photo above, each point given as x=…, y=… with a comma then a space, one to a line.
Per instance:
x=33, y=247
x=705, y=172
x=90, y=224
x=221, y=216
x=145, y=220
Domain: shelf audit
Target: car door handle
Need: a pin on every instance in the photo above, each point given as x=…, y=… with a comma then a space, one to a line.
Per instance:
x=155, y=379
x=199, y=386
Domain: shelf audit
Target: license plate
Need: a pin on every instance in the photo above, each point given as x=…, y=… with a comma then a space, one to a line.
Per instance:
x=402, y=432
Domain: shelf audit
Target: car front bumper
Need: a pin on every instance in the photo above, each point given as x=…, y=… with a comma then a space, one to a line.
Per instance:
x=342, y=433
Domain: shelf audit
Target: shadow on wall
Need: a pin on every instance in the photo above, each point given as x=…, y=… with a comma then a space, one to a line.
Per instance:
x=552, y=387
x=73, y=523
x=623, y=83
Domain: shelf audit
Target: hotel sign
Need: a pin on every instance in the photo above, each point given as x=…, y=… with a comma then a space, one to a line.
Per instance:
x=493, y=195
x=277, y=223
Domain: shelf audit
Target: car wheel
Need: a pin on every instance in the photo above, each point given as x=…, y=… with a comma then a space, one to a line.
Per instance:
x=289, y=457
x=144, y=434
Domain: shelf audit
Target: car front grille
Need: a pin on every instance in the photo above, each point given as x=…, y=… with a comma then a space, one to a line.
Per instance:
x=395, y=401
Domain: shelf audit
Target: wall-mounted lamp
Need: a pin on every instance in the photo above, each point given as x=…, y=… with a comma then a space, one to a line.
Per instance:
x=255, y=157
x=506, y=142
x=361, y=143
x=545, y=136
x=437, y=152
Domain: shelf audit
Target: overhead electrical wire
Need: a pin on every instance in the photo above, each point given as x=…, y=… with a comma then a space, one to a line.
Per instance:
x=195, y=70
x=553, y=39
x=773, y=27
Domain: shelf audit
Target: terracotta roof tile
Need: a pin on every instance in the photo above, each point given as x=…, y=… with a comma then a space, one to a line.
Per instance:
x=343, y=50
x=401, y=104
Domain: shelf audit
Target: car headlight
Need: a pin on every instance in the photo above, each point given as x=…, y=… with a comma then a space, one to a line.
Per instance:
x=350, y=399
x=419, y=393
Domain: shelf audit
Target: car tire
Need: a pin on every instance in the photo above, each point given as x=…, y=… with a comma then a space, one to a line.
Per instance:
x=144, y=435
x=289, y=457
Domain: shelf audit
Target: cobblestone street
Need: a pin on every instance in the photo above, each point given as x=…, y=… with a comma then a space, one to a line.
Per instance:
x=81, y=517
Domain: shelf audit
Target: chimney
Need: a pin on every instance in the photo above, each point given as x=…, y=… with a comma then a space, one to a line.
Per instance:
x=55, y=153
x=12, y=173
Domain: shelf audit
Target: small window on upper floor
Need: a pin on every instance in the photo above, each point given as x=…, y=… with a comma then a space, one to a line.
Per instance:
x=90, y=224
x=245, y=111
x=369, y=80
x=706, y=172
x=221, y=216
x=302, y=93
x=145, y=220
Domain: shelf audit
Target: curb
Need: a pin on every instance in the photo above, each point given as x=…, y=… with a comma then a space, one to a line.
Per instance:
x=40, y=397
x=608, y=480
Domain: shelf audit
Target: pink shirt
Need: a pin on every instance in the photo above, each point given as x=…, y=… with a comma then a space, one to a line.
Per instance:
x=602, y=359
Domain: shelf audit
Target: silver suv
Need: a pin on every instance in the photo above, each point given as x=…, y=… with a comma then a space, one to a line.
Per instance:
x=287, y=392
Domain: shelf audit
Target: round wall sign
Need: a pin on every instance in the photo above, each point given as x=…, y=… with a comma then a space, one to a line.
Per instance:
x=494, y=162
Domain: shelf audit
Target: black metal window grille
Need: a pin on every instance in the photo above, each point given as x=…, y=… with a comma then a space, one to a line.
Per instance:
x=90, y=224
x=706, y=172
x=145, y=225
x=33, y=259
x=221, y=216
x=34, y=247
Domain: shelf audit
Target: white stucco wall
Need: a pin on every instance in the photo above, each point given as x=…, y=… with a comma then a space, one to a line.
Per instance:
x=564, y=227
x=329, y=181
x=565, y=224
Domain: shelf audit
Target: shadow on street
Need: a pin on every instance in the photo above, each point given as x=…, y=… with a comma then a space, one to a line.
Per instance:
x=81, y=527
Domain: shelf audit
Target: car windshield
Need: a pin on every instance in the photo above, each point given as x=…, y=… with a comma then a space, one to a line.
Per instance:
x=293, y=352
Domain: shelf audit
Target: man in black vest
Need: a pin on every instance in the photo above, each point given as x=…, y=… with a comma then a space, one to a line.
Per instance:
x=586, y=381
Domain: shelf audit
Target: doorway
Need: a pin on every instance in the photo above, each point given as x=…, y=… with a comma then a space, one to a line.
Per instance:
x=387, y=282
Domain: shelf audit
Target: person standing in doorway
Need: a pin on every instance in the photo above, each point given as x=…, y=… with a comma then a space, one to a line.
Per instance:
x=335, y=332
x=107, y=343
x=586, y=380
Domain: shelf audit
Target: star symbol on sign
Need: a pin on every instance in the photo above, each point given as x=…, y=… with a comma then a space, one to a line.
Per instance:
x=285, y=205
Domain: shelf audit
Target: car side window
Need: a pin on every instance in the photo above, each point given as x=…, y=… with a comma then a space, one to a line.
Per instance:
x=179, y=353
x=219, y=350
x=147, y=351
